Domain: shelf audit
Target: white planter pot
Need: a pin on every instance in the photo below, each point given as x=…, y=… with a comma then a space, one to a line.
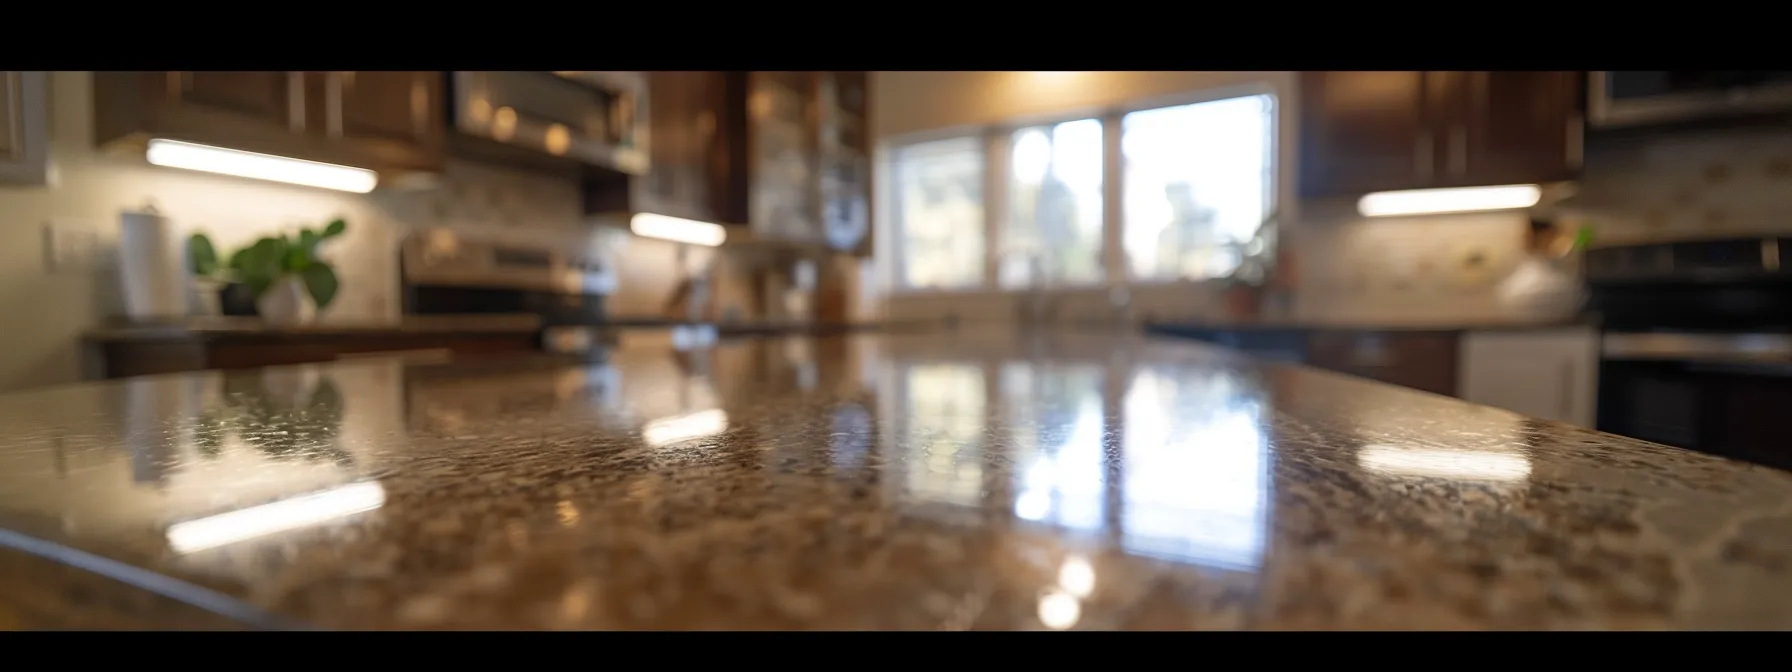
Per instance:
x=1541, y=289
x=286, y=303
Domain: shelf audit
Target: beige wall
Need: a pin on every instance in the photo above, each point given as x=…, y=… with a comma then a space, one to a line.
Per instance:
x=45, y=312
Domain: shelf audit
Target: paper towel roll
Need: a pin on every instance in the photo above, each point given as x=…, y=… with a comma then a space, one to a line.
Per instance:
x=150, y=266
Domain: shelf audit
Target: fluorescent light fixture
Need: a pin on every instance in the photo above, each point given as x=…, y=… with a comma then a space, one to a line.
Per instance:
x=288, y=514
x=1463, y=465
x=667, y=431
x=1434, y=201
x=177, y=154
x=677, y=229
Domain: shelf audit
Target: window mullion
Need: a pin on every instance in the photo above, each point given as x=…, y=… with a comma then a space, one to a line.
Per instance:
x=1113, y=211
x=995, y=203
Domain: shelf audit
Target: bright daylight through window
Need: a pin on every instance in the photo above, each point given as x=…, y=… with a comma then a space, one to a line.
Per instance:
x=1053, y=232
x=1199, y=181
x=1196, y=184
x=939, y=213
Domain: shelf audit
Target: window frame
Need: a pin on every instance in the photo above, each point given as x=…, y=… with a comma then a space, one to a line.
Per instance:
x=997, y=139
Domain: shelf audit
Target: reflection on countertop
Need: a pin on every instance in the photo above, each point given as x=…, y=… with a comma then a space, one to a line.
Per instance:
x=882, y=482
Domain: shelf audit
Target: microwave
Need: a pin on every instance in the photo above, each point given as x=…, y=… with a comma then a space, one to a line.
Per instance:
x=1641, y=97
x=593, y=117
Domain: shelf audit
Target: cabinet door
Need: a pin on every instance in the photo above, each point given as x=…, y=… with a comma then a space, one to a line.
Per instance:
x=1364, y=131
x=782, y=201
x=24, y=130
x=395, y=115
x=1510, y=127
x=682, y=125
x=1548, y=374
x=273, y=97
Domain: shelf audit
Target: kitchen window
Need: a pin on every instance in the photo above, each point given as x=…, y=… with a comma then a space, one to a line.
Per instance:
x=939, y=213
x=1196, y=183
x=1199, y=181
x=1053, y=232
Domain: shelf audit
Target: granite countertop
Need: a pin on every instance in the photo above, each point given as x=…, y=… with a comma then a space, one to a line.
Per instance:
x=869, y=482
x=215, y=327
x=1302, y=324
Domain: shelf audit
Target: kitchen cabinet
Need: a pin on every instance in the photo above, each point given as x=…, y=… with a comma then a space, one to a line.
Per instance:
x=389, y=112
x=1391, y=130
x=390, y=121
x=844, y=152
x=696, y=130
x=783, y=180
x=24, y=126
x=690, y=172
x=1422, y=360
x=1547, y=373
x=786, y=155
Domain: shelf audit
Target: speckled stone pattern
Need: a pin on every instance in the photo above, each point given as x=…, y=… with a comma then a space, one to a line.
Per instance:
x=884, y=482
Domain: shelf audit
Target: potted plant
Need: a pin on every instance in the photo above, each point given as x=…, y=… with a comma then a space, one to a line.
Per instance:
x=289, y=281
x=211, y=281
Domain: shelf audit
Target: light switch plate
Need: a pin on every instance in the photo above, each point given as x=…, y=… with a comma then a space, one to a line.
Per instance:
x=72, y=245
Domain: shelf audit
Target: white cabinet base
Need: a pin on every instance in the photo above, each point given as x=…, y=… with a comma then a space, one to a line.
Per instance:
x=1551, y=374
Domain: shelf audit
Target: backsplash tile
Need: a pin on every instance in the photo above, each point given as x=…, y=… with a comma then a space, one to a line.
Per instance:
x=1729, y=182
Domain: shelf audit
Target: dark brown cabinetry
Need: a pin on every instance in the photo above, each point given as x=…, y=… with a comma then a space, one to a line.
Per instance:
x=1387, y=130
x=696, y=123
x=1420, y=360
x=783, y=155
x=389, y=121
x=24, y=126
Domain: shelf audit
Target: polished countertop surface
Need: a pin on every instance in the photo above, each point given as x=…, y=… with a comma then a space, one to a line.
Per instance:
x=255, y=327
x=877, y=482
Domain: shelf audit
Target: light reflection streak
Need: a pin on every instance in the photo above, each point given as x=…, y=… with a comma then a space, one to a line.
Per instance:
x=289, y=514
x=1062, y=477
x=667, y=431
x=1196, y=482
x=1462, y=465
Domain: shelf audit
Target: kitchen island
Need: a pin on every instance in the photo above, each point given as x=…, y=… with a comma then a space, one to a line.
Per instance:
x=865, y=482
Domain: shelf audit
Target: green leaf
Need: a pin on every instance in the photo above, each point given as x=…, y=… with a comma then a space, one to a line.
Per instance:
x=308, y=241
x=335, y=228
x=202, y=258
x=294, y=259
x=261, y=264
x=320, y=280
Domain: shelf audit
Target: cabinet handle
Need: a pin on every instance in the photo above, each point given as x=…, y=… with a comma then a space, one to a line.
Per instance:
x=1422, y=155
x=1577, y=128
x=1458, y=149
x=295, y=101
x=1566, y=408
x=333, y=84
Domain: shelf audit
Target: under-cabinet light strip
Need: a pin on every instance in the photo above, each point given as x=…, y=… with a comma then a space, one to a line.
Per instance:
x=1435, y=201
x=190, y=156
x=677, y=229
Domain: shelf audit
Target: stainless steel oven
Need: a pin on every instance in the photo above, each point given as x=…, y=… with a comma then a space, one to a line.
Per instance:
x=443, y=272
x=1697, y=345
x=1637, y=97
x=595, y=117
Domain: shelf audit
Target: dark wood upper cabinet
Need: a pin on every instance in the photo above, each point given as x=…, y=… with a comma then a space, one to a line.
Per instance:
x=1364, y=131
x=273, y=98
x=390, y=121
x=784, y=155
x=1388, y=130
x=1513, y=126
x=24, y=127
x=695, y=137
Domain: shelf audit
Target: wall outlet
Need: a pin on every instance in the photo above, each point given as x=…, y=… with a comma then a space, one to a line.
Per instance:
x=72, y=245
